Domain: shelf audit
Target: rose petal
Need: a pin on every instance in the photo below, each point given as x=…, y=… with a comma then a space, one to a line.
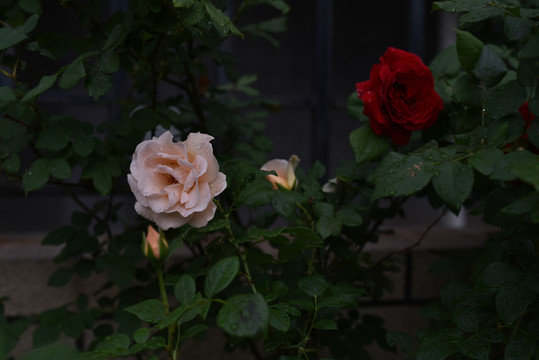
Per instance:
x=199, y=144
x=201, y=219
x=218, y=185
x=280, y=166
x=133, y=184
x=164, y=220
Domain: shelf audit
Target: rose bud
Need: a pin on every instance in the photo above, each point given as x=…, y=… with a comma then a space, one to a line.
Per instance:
x=154, y=244
x=286, y=172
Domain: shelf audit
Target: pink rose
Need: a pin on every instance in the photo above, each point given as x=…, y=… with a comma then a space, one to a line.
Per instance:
x=174, y=183
x=285, y=169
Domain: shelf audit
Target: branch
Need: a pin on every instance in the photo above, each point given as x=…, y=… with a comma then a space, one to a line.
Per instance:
x=408, y=248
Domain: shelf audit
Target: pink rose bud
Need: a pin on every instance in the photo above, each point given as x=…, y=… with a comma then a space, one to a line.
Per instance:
x=155, y=246
x=286, y=172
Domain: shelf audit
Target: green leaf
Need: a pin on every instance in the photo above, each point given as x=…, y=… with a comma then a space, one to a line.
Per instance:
x=400, y=175
x=113, y=345
x=46, y=334
x=60, y=277
x=489, y=68
x=325, y=324
x=151, y=310
x=517, y=28
x=531, y=49
x=400, y=339
x=6, y=94
x=102, y=181
x=10, y=37
x=445, y=63
x=44, y=84
x=279, y=319
x=453, y=182
x=59, y=168
x=59, y=236
x=83, y=145
x=221, y=22
x=12, y=163
x=451, y=293
x=37, y=176
x=108, y=62
x=475, y=348
x=497, y=274
x=504, y=100
x=141, y=335
x=354, y=107
x=98, y=83
x=280, y=5
x=466, y=90
x=184, y=290
x=485, y=159
x=523, y=205
x=526, y=168
x=192, y=331
x=439, y=344
x=469, y=49
x=221, y=275
x=53, y=138
x=349, y=217
x=31, y=23
x=466, y=319
x=366, y=144
x=520, y=347
x=57, y=351
x=73, y=73
x=100, y=174
x=194, y=14
x=116, y=36
x=328, y=225
x=512, y=300
x=284, y=202
x=313, y=285
x=244, y=315
x=256, y=193
x=183, y=3
x=533, y=133
x=73, y=325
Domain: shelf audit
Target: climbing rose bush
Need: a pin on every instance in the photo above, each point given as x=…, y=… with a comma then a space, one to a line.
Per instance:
x=174, y=183
x=399, y=97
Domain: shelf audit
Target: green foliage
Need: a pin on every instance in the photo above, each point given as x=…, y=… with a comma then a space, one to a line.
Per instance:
x=244, y=315
x=284, y=268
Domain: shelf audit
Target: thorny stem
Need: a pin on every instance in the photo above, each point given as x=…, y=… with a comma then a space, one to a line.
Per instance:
x=306, y=213
x=9, y=117
x=403, y=250
x=242, y=254
x=164, y=299
x=308, y=335
x=80, y=203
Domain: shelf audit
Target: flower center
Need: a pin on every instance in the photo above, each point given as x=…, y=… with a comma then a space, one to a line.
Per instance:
x=171, y=180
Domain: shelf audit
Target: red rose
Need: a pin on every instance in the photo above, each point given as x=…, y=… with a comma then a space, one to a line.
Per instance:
x=399, y=97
